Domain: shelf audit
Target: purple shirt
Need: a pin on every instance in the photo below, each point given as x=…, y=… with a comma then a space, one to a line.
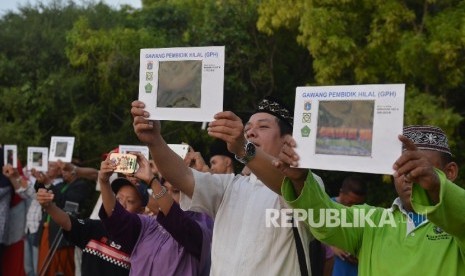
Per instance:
x=186, y=251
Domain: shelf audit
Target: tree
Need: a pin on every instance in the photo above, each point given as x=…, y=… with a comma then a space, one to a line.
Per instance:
x=34, y=74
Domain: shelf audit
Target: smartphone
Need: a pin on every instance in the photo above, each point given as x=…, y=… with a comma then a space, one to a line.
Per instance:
x=125, y=162
x=180, y=149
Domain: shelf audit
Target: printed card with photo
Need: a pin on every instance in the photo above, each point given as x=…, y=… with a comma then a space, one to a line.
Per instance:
x=134, y=148
x=125, y=163
x=37, y=158
x=61, y=148
x=10, y=155
x=182, y=84
x=349, y=127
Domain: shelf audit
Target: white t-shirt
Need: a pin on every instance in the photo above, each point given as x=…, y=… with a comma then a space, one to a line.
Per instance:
x=242, y=244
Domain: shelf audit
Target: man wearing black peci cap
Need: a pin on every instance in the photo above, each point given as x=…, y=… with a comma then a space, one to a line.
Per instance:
x=221, y=160
x=243, y=244
x=421, y=234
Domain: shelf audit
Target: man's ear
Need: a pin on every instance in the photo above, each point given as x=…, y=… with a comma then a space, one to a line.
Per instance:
x=451, y=170
x=228, y=161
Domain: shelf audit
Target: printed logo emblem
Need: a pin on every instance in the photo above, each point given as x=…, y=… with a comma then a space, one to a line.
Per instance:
x=438, y=235
x=306, y=118
x=437, y=230
x=150, y=65
x=307, y=106
x=305, y=131
x=148, y=88
x=149, y=76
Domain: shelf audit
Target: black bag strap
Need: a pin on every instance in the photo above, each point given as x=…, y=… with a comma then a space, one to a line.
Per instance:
x=300, y=250
x=317, y=257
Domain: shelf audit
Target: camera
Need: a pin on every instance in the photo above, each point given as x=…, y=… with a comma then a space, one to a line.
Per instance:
x=125, y=162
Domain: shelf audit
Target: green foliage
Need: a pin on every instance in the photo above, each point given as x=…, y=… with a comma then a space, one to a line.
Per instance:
x=425, y=109
x=275, y=14
x=33, y=72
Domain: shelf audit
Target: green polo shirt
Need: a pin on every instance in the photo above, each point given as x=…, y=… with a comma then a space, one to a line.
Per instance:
x=387, y=244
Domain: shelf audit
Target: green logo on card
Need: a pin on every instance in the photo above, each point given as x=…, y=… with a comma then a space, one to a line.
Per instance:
x=305, y=131
x=148, y=88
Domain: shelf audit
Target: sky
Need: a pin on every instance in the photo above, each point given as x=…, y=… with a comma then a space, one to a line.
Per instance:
x=6, y=5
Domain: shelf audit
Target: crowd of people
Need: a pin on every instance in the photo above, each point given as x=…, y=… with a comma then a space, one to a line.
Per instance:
x=177, y=216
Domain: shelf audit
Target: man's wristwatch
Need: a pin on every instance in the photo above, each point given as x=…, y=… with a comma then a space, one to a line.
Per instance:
x=250, y=151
